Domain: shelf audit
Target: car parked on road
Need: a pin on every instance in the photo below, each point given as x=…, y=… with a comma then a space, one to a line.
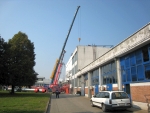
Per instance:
x=111, y=100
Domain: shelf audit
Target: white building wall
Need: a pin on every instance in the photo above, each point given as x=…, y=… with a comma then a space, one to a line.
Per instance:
x=69, y=68
x=87, y=54
x=101, y=50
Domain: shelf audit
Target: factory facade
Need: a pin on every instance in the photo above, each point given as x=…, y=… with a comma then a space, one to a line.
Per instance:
x=81, y=57
x=125, y=67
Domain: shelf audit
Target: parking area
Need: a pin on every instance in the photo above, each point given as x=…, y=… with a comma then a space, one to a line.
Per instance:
x=80, y=104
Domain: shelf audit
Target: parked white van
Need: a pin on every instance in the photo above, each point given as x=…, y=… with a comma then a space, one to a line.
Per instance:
x=110, y=100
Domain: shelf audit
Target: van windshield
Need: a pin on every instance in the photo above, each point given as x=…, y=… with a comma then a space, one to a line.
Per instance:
x=119, y=95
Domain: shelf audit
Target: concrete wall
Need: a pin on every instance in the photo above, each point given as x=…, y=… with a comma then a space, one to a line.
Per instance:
x=101, y=50
x=68, y=67
x=87, y=54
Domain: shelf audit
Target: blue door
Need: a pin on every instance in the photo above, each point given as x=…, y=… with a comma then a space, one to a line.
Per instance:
x=109, y=87
x=96, y=89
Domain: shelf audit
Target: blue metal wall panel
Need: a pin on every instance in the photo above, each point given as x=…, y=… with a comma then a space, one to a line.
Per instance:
x=96, y=89
x=134, y=66
x=109, y=87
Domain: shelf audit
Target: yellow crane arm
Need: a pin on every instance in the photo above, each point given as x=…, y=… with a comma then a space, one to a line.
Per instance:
x=54, y=69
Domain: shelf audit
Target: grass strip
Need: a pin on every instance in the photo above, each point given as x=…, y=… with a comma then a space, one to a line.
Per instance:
x=23, y=102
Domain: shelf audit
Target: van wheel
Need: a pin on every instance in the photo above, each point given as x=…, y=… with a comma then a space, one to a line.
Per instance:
x=92, y=103
x=104, y=108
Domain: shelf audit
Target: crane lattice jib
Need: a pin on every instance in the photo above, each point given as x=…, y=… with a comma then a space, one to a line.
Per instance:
x=57, y=74
x=65, y=42
x=59, y=69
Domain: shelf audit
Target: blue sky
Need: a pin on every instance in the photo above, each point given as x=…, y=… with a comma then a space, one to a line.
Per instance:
x=46, y=22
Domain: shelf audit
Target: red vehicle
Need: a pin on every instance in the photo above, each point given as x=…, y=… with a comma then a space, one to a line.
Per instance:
x=35, y=89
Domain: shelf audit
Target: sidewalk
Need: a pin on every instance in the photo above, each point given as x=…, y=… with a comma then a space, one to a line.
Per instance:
x=137, y=110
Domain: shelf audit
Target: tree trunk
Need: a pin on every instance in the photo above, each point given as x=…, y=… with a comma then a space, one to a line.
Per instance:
x=12, y=89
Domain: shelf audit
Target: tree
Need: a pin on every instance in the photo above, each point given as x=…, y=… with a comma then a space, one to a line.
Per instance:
x=21, y=68
x=4, y=62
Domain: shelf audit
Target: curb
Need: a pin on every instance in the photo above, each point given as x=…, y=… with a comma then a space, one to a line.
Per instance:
x=48, y=105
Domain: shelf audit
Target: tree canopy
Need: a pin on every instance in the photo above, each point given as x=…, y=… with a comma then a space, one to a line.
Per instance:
x=4, y=61
x=20, y=61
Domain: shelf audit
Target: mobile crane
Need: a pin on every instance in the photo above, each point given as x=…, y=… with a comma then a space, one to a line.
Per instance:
x=55, y=84
x=58, y=65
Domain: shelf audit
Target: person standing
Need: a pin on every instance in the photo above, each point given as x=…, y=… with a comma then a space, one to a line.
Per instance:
x=57, y=93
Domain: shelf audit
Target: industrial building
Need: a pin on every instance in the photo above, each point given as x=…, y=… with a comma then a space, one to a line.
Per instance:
x=81, y=57
x=42, y=82
x=126, y=67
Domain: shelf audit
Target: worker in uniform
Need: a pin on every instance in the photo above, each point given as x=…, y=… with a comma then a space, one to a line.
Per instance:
x=57, y=93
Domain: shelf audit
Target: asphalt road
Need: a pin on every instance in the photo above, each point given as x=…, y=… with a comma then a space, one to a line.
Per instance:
x=79, y=104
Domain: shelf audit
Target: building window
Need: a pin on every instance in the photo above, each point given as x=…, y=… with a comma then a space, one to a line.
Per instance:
x=95, y=77
x=76, y=69
x=108, y=80
x=73, y=71
x=123, y=73
x=124, y=78
x=86, y=80
x=114, y=77
x=73, y=60
x=140, y=73
x=137, y=68
x=128, y=75
x=111, y=79
x=133, y=74
x=72, y=82
x=79, y=82
x=147, y=71
x=76, y=56
x=109, y=73
x=113, y=66
x=138, y=57
x=76, y=82
x=127, y=62
x=132, y=60
x=145, y=53
x=104, y=80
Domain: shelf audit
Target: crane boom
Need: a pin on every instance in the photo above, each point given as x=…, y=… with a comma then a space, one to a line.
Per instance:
x=57, y=65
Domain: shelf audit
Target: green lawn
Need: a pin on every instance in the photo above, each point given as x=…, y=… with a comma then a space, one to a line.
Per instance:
x=23, y=102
